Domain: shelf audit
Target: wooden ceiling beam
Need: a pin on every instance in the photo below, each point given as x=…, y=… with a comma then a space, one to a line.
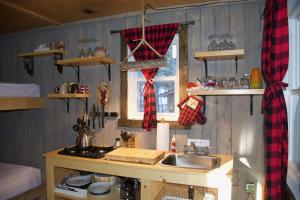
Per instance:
x=29, y=12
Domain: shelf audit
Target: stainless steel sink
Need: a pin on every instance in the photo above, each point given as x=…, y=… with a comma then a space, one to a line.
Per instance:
x=191, y=161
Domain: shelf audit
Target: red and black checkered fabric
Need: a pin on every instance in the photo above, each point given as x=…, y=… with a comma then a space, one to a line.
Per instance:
x=189, y=116
x=159, y=37
x=275, y=57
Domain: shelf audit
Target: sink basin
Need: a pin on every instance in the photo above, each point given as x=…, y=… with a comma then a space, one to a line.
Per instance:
x=191, y=161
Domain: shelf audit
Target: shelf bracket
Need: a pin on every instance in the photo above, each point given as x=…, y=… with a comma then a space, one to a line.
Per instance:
x=77, y=71
x=236, y=65
x=29, y=65
x=204, y=104
x=56, y=58
x=67, y=102
x=205, y=65
x=108, y=71
x=86, y=103
x=251, y=105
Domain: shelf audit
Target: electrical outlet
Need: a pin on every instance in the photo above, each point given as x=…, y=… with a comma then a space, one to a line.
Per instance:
x=249, y=188
x=198, y=142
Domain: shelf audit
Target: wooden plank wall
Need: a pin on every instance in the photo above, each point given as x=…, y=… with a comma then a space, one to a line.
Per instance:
x=26, y=135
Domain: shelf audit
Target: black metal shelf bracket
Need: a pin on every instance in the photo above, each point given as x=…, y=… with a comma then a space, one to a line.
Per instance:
x=86, y=104
x=205, y=65
x=67, y=102
x=107, y=66
x=77, y=71
x=29, y=65
x=56, y=58
x=204, y=104
x=251, y=105
x=236, y=65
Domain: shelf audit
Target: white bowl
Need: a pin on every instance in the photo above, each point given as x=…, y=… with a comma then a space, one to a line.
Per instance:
x=99, y=188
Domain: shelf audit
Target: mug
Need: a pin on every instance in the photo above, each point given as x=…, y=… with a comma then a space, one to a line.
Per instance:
x=83, y=89
x=73, y=88
x=62, y=88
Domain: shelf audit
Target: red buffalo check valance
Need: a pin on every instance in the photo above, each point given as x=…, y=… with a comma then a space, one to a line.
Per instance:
x=275, y=56
x=159, y=37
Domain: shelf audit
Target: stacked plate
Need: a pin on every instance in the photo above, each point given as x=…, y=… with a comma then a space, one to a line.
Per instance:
x=97, y=184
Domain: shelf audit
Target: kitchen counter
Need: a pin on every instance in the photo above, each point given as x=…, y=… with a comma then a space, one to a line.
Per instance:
x=218, y=178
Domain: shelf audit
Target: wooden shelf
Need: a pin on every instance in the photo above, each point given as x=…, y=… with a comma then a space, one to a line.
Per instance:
x=41, y=53
x=81, y=62
x=68, y=96
x=28, y=58
x=113, y=194
x=227, y=92
x=21, y=103
x=220, y=55
x=295, y=91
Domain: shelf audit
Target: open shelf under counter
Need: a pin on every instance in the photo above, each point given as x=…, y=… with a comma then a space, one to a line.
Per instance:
x=86, y=61
x=220, y=55
x=227, y=92
x=68, y=96
x=41, y=53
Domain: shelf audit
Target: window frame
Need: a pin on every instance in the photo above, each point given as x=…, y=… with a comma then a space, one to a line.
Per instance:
x=183, y=49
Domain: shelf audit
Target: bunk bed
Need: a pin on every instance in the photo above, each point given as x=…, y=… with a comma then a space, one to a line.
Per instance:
x=15, y=96
x=18, y=181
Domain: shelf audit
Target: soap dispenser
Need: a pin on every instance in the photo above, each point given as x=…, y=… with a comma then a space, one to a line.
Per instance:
x=173, y=144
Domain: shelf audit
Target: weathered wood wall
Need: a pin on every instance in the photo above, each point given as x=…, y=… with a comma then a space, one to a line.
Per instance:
x=26, y=135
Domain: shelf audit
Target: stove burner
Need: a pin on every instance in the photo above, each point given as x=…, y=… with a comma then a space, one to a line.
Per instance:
x=88, y=152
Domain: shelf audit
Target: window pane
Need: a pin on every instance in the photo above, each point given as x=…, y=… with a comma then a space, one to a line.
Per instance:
x=164, y=93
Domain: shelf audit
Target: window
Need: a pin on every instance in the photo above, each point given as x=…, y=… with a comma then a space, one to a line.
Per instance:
x=166, y=83
x=169, y=83
x=293, y=101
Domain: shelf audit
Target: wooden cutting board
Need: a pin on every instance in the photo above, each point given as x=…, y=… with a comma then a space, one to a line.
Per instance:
x=144, y=156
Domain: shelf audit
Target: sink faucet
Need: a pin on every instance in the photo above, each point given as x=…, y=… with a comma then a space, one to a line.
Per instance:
x=195, y=150
x=194, y=146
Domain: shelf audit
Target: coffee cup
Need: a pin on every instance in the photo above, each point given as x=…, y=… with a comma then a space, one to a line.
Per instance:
x=73, y=88
x=62, y=88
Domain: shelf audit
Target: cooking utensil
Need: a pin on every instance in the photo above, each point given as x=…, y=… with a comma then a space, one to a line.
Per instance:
x=93, y=114
x=98, y=116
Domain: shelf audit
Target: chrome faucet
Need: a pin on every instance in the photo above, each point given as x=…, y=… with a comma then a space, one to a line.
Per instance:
x=195, y=150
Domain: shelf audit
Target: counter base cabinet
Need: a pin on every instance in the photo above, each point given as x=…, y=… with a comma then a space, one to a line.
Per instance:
x=156, y=181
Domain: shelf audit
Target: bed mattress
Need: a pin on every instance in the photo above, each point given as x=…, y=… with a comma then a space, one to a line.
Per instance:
x=19, y=90
x=16, y=179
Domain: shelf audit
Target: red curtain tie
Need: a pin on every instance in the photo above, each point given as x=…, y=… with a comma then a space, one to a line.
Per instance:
x=147, y=84
x=270, y=90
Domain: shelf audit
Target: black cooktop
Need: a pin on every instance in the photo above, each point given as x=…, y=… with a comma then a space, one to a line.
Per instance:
x=87, y=152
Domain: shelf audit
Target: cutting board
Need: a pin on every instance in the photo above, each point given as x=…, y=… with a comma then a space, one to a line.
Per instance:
x=144, y=156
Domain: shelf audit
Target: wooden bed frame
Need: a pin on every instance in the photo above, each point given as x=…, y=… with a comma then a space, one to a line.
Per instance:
x=35, y=193
x=21, y=103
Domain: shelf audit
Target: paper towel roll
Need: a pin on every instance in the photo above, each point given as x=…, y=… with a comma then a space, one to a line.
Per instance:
x=162, y=139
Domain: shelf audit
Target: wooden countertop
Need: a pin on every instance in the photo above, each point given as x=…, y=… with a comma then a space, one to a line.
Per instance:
x=156, y=172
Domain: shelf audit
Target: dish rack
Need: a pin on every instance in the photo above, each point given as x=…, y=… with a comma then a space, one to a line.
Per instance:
x=181, y=192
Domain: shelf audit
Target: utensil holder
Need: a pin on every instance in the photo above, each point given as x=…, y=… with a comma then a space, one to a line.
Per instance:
x=129, y=144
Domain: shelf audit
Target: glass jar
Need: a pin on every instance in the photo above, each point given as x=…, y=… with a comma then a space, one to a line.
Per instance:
x=245, y=81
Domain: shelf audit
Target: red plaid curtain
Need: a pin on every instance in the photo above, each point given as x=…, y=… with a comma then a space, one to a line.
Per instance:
x=275, y=56
x=159, y=37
